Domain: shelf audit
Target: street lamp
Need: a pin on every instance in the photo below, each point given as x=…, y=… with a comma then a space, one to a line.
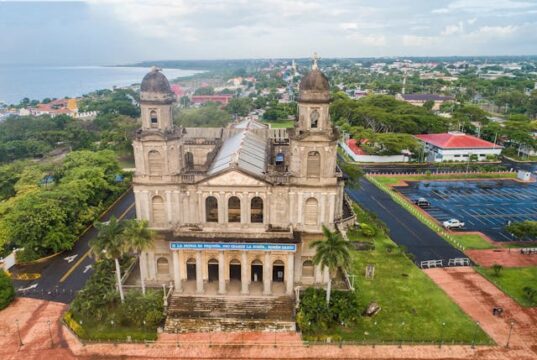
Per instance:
x=442, y=335
x=50, y=333
x=19, y=333
x=510, y=332
x=475, y=334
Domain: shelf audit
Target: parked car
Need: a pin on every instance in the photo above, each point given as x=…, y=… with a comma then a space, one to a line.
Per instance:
x=422, y=203
x=453, y=224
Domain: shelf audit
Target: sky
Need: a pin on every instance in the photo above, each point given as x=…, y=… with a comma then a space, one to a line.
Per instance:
x=109, y=32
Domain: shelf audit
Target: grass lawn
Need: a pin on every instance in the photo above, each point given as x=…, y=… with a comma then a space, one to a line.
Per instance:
x=391, y=180
x=512, y=280
x=473, y=242
x=105, y=332
x=413, y=307
x=280, y=124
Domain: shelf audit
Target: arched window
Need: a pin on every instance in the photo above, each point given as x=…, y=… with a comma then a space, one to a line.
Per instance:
x=314, y=119
x=163, y=266
x=153, y=118
x=314, y=164
x=307, y=268
x=211, y=209
x=157, y=210
x=311, y=211
x=155, y=162
x=189, y=160
x=234, y=209
x=256, y=210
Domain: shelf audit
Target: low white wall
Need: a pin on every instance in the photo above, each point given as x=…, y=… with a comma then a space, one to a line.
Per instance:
x=9, y=261
x=373, y=158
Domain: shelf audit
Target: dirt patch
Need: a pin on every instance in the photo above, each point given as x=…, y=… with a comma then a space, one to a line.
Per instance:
x=504, y=257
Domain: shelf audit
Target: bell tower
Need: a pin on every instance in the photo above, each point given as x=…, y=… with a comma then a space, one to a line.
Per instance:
x=157, y=147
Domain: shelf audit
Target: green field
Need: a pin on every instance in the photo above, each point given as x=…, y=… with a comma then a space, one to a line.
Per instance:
x=391, y=180
x=473, y=242
x=512, y=280
x=280, y=124
x=414, y=309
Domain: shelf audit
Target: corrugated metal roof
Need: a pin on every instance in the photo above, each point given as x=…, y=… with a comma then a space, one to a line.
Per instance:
x=245, y=150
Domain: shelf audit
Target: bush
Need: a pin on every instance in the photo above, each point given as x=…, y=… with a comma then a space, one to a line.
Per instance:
x=7, y=291
x=367, y=230
x=497, y=268
x=139, y=307
x=314, y=316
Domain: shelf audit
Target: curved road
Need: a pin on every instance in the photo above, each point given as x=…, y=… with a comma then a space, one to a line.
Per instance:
x=67, y=273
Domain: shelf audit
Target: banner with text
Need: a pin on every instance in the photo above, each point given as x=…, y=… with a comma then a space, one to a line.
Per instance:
x=231, y=246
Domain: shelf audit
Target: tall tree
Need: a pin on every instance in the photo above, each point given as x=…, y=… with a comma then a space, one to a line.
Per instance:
x=110, y=244
x=139, y=238
x=332, y=252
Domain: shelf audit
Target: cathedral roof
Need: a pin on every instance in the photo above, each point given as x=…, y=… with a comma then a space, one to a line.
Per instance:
x=155, y=81
x=244, y=150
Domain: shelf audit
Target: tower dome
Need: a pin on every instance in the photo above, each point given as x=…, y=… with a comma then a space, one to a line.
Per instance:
x=155, y=87
x=314, y=87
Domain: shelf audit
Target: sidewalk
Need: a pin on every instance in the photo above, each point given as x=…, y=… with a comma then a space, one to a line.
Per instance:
x=33, y=315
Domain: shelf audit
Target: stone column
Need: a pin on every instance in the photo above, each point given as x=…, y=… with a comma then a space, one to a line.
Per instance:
x=199, y=273
x=290, y=273
x=143, y=265
x=300, y=205
x=182, y=265
x=267, y=274
x=332, y=208
x=317, y=275
x=221, y=278
x=169, y=211
x=245, y=279
x=176, y=271
x=152, y=268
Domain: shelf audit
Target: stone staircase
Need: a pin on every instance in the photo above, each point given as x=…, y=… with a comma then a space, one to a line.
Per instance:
x=230, y=313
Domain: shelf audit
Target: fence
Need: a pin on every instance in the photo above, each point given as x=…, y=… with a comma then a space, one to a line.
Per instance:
x=431, y=264
x=459, y=262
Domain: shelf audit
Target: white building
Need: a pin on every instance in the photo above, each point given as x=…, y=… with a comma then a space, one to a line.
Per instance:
x=457, y=146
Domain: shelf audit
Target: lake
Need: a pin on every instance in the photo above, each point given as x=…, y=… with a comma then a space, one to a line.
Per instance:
x=39, y=82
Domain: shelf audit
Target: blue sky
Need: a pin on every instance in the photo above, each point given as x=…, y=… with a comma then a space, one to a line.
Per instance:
x=114, y=31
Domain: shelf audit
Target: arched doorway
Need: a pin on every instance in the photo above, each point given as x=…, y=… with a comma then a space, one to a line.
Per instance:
x=278, y=271
x=235, y=270
x=257, y=271
x=212, y=270
x=157, y=208
x=191, y=269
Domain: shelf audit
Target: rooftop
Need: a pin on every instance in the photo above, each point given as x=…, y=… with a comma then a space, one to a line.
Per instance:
x=456, y=140
x=245, y=150
x=426, y=97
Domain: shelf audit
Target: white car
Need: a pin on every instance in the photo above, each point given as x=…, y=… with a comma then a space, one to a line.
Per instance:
x=453, y=224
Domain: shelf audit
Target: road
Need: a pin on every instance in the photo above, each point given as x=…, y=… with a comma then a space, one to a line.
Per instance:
x=405, y=229
x=67, y=273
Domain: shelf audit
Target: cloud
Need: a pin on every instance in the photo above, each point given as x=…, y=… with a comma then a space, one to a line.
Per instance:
x=484, y=6
x=453, y=29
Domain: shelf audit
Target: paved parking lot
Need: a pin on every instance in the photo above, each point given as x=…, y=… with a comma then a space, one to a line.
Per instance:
x=485, y=205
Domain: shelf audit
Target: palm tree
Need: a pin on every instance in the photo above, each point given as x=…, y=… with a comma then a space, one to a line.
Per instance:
x=332, y=252
x=109, y=244
x=138, y=238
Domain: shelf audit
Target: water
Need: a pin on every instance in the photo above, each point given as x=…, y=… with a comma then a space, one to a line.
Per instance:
x=39, y=82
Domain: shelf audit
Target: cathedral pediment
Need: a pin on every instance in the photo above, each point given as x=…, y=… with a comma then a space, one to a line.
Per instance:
x=233, y=178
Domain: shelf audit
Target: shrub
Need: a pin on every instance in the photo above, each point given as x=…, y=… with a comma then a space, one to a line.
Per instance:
x=7, y=291
x=497, y=268
x=138, y=308
x=530, y=293
x=313, y=314
x=367, y=230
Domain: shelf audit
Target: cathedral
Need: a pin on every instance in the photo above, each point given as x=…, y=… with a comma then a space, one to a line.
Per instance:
x=235, y=209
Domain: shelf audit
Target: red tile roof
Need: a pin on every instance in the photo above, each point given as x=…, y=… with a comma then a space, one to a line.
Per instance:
x=351, y=143
x=456, y=141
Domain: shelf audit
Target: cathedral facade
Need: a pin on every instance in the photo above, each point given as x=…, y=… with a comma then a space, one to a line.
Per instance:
x=236, y=208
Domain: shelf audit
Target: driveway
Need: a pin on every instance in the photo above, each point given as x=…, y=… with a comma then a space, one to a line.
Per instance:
x=404, y=228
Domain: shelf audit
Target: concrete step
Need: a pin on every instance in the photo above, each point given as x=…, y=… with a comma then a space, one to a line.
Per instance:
x=225, y=313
